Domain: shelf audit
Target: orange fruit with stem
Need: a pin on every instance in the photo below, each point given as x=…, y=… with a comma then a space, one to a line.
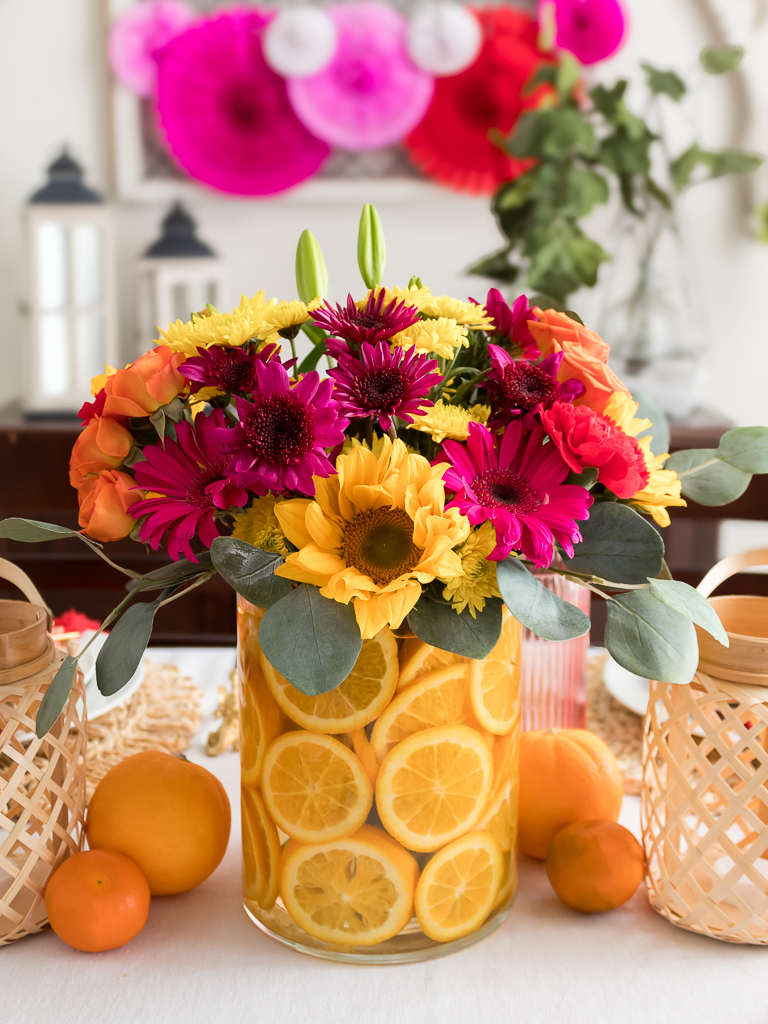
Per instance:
x=97, y=900
x=595, y=865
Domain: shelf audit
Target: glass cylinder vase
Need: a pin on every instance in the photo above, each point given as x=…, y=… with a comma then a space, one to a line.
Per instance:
x=379, y=820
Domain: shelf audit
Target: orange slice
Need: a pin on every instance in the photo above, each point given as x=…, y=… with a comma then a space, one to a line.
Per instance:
x=261, y=850
x=315, y=788
x=364, y=751
x=261, y=720
x=417, y=659
x=494, y=685
x=433, y=787
x=353, y=892
x=358, y=700
x=458, y=888
x=500, y=816
x=439, y=698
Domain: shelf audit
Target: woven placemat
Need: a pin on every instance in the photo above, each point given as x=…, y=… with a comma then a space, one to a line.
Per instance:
x=618, y=727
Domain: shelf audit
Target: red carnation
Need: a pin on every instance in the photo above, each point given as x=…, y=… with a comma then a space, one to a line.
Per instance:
x=587, y=440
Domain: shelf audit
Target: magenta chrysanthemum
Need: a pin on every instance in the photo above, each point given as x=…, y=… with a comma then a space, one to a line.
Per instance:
x=230, y=368
x=280, y=441
x=522, y=389
x=517, y=484
x=376, y=321
x=384, y=383
x=190, y=474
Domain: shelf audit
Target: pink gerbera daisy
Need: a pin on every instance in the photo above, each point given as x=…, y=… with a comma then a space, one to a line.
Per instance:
x=231, y=368
x=280, y=441
x=517, y=484
x=510, y=323
x=192, y=483
x=522, y=389
x=376, y=321
x=384, y=383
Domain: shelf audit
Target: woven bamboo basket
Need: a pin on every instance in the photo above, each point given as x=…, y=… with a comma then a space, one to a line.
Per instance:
x=704, y=803
x=42, y=781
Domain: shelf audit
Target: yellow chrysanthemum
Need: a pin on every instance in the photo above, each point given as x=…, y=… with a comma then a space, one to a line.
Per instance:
x=479, y=580
x=258, y=525
x=440, y=337
x=663, y=489
x=468, y=314
x=249, y=320
x=374, y=534
x=285, y=315
x=411, y=296
x=452, y=421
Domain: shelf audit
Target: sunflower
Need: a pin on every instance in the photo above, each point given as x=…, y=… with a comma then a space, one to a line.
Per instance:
x=452, y=421
x=441, y=337
x=258, y=525
x=479, y=580
x=375, y=532
x=249, y=320
x=468, y=314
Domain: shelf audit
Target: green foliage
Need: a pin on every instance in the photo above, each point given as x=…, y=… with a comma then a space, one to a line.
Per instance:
x=311, y=271
x=617, y=545
x=310, y=361
x=55, y=697
x=650, y=638
x=691, y=604
x=30, y=531
x=661, y=82
x=371, y=247
x=706, y=479
x=438, y=624
x=249, y=570
x=714, y=163
x=121, y=654
x=543, y=612
x=719, y=59
x=745, y=448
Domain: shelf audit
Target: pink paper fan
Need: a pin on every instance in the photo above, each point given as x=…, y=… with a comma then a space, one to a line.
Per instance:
x=225, y=114
x=371, y=94
x=137, y=35
x=592, y=30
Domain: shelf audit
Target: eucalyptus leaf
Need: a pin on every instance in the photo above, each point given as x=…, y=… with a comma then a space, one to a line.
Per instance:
x=439, y=625
x=543, y=612
x=30, y=531
x=651, y=639
x=121, y=654
x=268, y=591
x=157, y=419
x=174, y=572
x=243, y=566
x=715, y=484
x=55, y=697
x=617, y=545
x=745, y=448
x=719, y=59
x=311, y=640
x=691, y=604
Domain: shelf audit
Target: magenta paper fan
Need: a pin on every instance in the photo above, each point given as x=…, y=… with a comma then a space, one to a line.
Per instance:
x=371, y=94
x=138, y=34
x=225, y=114
x=592, y=30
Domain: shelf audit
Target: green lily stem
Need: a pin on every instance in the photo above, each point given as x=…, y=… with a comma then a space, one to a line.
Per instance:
x=467, y=387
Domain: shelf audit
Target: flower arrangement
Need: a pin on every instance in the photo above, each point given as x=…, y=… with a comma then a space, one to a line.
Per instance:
x=452, y=449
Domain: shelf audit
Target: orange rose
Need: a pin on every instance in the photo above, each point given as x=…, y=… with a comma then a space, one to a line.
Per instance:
x=102, y=444
x=104, y=503
x=141, y=388
x=585, y=356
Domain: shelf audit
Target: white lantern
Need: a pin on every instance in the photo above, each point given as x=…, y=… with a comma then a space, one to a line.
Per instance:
x=444, y=38
x=178, y=275
x=70, y=249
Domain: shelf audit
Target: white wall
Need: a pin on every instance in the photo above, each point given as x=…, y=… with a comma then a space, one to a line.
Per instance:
x=53, y=90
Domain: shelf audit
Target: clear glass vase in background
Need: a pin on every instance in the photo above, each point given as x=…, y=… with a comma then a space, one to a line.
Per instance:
x=553, y=683
x=360, y=806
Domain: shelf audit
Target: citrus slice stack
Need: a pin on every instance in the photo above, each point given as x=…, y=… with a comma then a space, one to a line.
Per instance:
x=358, y=700
x=365, y=755
x=433, y=787
x=439, y=698
x=458, y=888
x=500, y=816
x=417, y=659
x=494, y=683
x=261, y=721
x=356, y=891
x=314, y=787
x=261, y=850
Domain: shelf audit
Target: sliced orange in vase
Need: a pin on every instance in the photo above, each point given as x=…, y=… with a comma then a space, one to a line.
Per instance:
x=494, y=684
x=261, y=850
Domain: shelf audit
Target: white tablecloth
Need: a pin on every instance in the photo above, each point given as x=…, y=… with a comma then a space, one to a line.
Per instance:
x=199, y=960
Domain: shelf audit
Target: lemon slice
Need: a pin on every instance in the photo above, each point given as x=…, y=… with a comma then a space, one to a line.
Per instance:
x=364, y=751
x=418, y=658
x=358, y=700
x=261, y=720
x=458, y=888
x=353, y=892
x=440, y=698
x=494, y=684
x=261, y=850
x=314, y=787
x=433, y=787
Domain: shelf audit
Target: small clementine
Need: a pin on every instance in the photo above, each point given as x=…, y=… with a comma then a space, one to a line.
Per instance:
x=595, y=865
x=170, y=816
x=566, y=775
x=97, y=900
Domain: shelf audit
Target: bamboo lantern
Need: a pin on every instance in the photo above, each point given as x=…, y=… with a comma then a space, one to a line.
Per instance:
x=704, y=800
x=42, y=781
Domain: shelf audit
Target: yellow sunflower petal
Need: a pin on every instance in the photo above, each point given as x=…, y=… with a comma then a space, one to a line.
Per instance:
x=291, y=515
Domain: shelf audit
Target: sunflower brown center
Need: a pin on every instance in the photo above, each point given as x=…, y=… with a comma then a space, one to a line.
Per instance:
x=504, y=488
x=280, y=427
x=526, y=385
x=380, y=545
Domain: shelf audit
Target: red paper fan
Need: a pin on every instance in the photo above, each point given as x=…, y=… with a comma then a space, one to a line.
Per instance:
x=451, y=144
x=225, y=114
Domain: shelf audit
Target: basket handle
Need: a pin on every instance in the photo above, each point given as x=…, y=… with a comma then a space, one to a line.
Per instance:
x=729, y=567
x=16, y=576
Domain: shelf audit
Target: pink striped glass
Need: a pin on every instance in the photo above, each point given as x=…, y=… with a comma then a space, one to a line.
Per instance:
x=553, y=679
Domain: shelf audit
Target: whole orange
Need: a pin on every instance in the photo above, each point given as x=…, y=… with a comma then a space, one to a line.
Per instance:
x=169, y=815
x=595, y=865
x=97, y=900
x=565, y=775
